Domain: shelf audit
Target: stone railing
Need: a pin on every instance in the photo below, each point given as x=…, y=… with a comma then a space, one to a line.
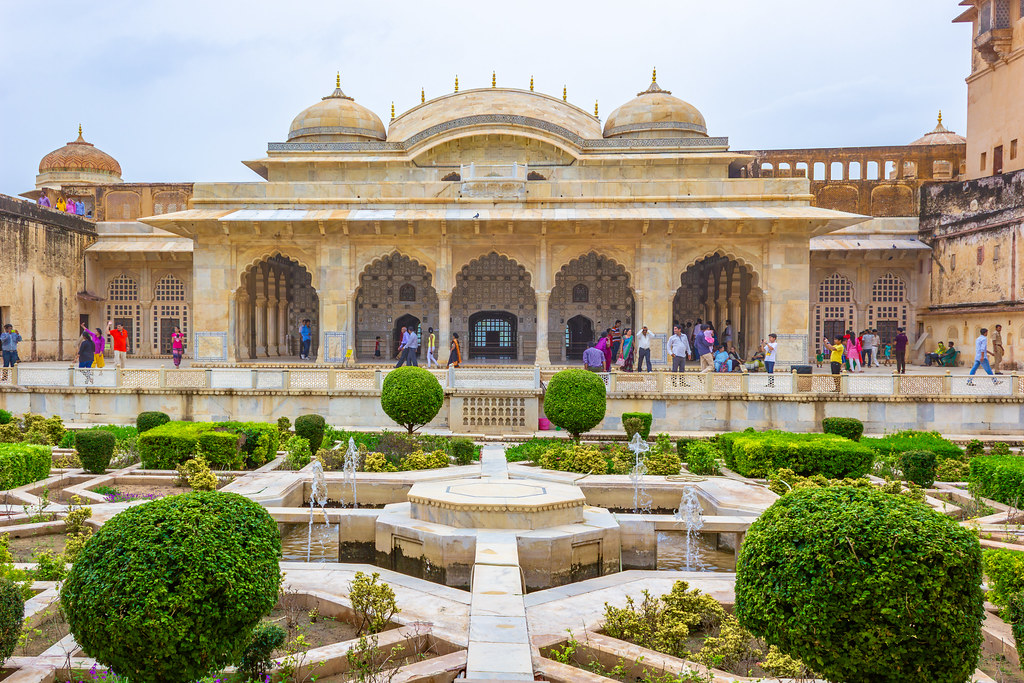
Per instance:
x=475, y=380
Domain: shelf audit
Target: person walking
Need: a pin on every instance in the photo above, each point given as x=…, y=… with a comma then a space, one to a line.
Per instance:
x=616, y=339
x=901, y=351
x=306, y=334
x=836, y=351
x=643, y=349
x=703, y=345
x=403, y=342
x=867, y=348
x=981, y=354
x=768, y=348
x=431, y=348
x=177, y=346
x=727, y=334
x=9, y=339
x=86, y=351
x=626, y=352
x=593, y=357
x=376, y=348
x=119, y=336
x=455, y=354
x=679, y=349
x=997, y=348
x=412, y=348
x=853, y=353
x=101, y=343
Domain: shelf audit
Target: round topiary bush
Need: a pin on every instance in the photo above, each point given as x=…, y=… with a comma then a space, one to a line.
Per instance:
x=5, y=417
x=171, y=590
x=575, y=400
x=311, y=428
x=849, y=427
x=918, y=467
x=12, y=614
x=411, y=396
x=95, y=449
x=153, y=418
x=863, y=586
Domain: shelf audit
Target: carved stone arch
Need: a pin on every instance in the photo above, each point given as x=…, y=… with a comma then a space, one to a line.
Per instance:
x=367, y=258
x=472, y=257
x=383, y=303
x=718, y=287
x=562, y=257
x=423, y=147
x=276, y=293
x=752, y=266
x=303, y=259
x=500, y=285
x=610, y=298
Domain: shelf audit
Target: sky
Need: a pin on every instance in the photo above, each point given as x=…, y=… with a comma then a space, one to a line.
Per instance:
x=185, y=91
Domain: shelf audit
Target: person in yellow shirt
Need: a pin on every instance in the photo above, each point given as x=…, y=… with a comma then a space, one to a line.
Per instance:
x=836, y=357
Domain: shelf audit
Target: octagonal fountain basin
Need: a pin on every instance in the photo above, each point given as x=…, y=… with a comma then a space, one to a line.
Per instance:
x=497, y=504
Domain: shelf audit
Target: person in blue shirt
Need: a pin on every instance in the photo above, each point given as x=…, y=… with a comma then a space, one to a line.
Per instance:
x=722, y=361
x=307, y=339
x=9, y=343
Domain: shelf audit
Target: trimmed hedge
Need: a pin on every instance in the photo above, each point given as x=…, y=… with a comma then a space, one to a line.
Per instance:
x=5, y=418
x=311, y=428
x=150, y=419
x=848, y=427
x=22, y=464
x=863, y=586
x=575, y=400
x=411, y=396
x=702, y=457
x=1005, y=571
x=918, y=467
x=163, y=447
x=171, y=590
x=999, y=477
x=262, y=441
x=95, y=449
x=756, y=454
x=646, y=418
x=910, y=440
x=12, y=614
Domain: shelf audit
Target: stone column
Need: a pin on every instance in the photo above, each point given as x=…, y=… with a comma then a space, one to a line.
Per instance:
x=282, y=324
x=272, y=349
x=148, y=340
x=261, y=325
x=638, y=311
x=444, y=325
x=543, y=352
x=243, y=307
x=733, y=314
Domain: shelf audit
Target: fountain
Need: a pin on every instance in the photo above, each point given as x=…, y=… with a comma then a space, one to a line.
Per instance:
x=317, y=496
x=350, y=467
x=642, y=500
x=692, y=518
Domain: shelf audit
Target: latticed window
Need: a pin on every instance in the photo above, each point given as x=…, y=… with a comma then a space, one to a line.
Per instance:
x=835, y=289
x=1002, y=14
x=889, y=288
x=580, y=294
x=407, y=293
x=123, y=288
x=170, y=288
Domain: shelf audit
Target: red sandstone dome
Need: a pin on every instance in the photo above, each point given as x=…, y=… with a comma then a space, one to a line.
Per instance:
x=940, y=136
x=80, y=155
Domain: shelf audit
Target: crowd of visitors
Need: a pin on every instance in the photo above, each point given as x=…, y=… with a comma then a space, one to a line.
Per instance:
x=69, y=205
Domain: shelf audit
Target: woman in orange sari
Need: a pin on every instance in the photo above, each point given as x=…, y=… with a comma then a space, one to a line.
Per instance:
x=455, y=357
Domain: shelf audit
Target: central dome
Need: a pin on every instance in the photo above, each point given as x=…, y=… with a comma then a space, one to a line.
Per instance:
x=80, y=156
x=336, y=118
x=655, y=113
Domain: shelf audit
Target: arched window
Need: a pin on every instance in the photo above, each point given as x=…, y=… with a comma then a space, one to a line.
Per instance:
x=169, y=288
x=833, y=314
x=580, y=294
x=123, y=288
x=835, y=289
x=493, y=334
x=169, y=311
x=123, y=308
x=407, y=293
x=888, y=289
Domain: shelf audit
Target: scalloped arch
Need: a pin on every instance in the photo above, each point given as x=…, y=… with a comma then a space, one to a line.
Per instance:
x=496, y=252
x=583, y=253
x=266, y=256
x=416, y=257
x=755, y=273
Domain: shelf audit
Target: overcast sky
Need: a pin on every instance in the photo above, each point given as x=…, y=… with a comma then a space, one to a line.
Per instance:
x=184, y=91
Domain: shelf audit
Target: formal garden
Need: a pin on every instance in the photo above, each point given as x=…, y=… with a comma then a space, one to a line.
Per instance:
x=153, y=552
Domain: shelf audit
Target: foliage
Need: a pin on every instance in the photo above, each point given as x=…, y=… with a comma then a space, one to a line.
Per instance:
x=848, y=427
x=998, y=477
x=95, y=449
x=462, y=450
x=646, y=419
x=373, y=601
x=756, y=454
x=378, y=462
x=531, y=449
x=226, y=445
x=999, y=448
x=312, y=428
x=257, y=656
x=1005, y=572
x=974, y=448
x=952, y=470
x=575, y=400
x=42, y=430
x=411, y=396
x=284, y=425
x=196, y=474
x=171, y=590
x=150, y=419
x=5, y=418
x=663, y=460
x=918, y=467
x=12, y=613
x=22, y=464
x=9, y=433
x=259, y=445
x=49, y=566
x=632, y=426
x=298, y=453
x=1014, y=614
x=911, y=440
x=418, y=460
x=863, y=586
x=368, y=663
x=702, y=457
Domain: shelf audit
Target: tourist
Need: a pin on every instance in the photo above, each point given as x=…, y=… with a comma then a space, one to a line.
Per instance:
x=307, y=339
x=981, y=354
x=177, y=346
x=997, y=347
x=86, y=351
x=119, y=335
x=949, y=357
x=734, y=356
x=61, y=205
x=431, y=348
x=698, y=328
x=79, y=208
x=402, y=340
x=935, y=355
x=616, y=339
x=727, y=334
x=643, y=349
x=101, y=343
x=756, y=361
x=868, y=343
x=900, y=347
x=705, y=340
x=455, y=355
x=853, y=353
x=721, y=359
x=769, y=348
x=604, y=345
x=593, y=357
x=9, y=339
x=888, y=353
x=43, y=200
x=412, y=347
x=625, y=359
x=836, y=351
x=376, y=348
x=678, y=349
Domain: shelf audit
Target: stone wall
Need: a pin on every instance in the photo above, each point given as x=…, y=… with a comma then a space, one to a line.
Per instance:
x=41, y=268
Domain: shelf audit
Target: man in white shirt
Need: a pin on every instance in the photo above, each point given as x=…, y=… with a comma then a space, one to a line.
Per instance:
x=868, y=349
x=768, y=348
x=981, y=354
x=403, y=340
x=679, y=349
x=643, y=344
x=412, y=347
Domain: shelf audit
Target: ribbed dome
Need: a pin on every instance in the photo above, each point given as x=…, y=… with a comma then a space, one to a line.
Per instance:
x=80, y=156
x=654, y=113
x=336, y=118
x=940, y=136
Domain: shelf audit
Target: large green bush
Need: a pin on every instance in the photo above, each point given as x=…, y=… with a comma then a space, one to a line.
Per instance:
x=22, y=464
x=863, y=586
x=575, y=400
x=847, y=427
x=411, y=396
x=95, y=449
x=702, y=457
x=12, y=613
x=163, y=447
x=150, y=419
x=910, y=440
x=311, y=428
x=1005, y=571
x=999, y=477
x=645, y=418
x=756, y=454
x=262, y=440
x=5, y=417
x=918, y=467
x=171, y=590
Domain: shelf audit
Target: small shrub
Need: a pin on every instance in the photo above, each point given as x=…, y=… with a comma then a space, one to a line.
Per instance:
x=646, y=419
x=576, y=401
x=284, y=425
x=37, y=437
x=418, y=460
x=196, y=474
x=171, y=590
x=22, y=464
x=377, y=462
x=258, y=656
x=702, y=457
x=918, y=467
x=998, y=477
x=891, y=592
x=411, y=396
x=975, y=448
x=68, y=440
x=531, y=449
x=847, y=427
x=662, y=460
x=149, y=419
x=95, y=449
x=632, y=426
x=910, y=440
x=50, y=566
x=298, y=453
x=1005, y=571
x=9, y=433
x=311, y=427
x=1014, y=614
x=999, y=448
x=5, y=418
x=373, y=602
x=462, y=450
x=12, y=614
x=952, y=470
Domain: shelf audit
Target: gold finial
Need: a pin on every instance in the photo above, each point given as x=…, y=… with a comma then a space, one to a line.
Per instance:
x=654, y=75
x=940, y=117
x=423, y=95
x=392, y=109
x=494, y=79
x=456, y=83
x=565, y=94
x=595, y=109
x=80, y=126
x=337, y=80
x=531, y=83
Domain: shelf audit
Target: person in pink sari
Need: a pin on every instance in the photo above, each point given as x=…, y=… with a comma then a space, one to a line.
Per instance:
x=604, y=345
x=853, y=350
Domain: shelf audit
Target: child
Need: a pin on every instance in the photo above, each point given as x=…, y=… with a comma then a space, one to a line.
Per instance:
x=820, y=358
x=376, y=348
x=888, y=354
